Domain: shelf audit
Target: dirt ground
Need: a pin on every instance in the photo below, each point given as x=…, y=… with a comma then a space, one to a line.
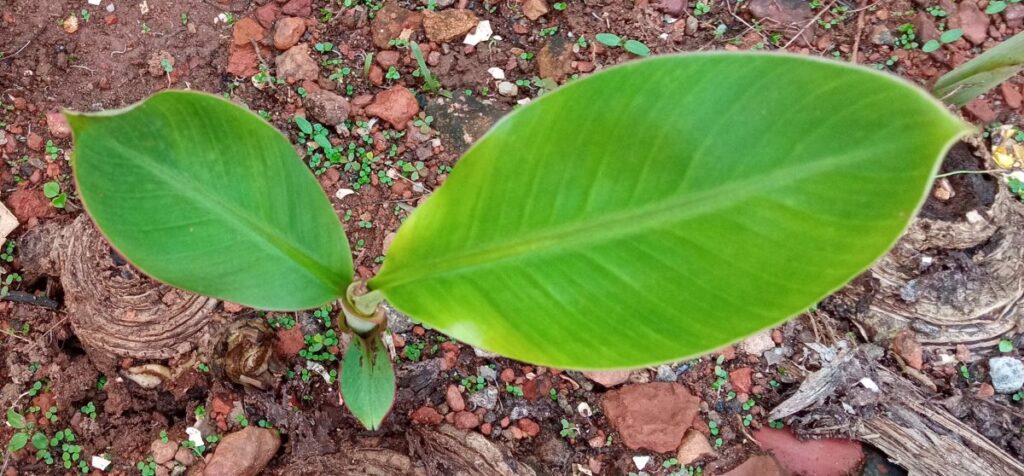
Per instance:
x=71, y=54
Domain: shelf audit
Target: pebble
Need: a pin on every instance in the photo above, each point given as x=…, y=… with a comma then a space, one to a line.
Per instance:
x=786, y=12
x=694, y=446
x=244, y=453
x=327, y=107
x=651, y=416
x=299, y=8
x=1007, y=374
x=758, y=344
x=609, y=378
x=287, y=32
x=906, y=346
x=741, y=379
x=448, y=25
x=466, y=420
x=296, y=65
x=454, y=399
x=426, y=416
x=972, y=21
x=534, y=9
x=58, y=125
x=529, y=427
x=1011, y=94
x=762, y=465
x=507, y=88
x=518, y=413
x=163, y=452
x=397, y=106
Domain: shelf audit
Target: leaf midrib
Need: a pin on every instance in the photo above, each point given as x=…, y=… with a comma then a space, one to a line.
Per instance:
x=239, y=218
x=615, y=225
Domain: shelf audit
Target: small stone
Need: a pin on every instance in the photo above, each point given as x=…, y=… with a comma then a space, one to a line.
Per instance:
x=426, y=416
x=267, y=14
x=289, y=342
x=758, y=344
x=673, y=8
x=454, y=399
x=163, y=452
x=822, y=457
x=508, y=375
x=985, y=390
x=246, y=31
x=390, y=22
x=185, y=456
x=534, y=9
x=298, y=8
x=508, y=89
x=695, y=445
x=487, y=373
x=906, y=346
x=287, y=32
x=881, y=35
x=651, y=416
x=243, y=453
x=924, y=27
x=70, y=24
x=786, y=12
x=741, y=379
x=58, y=125
x=529, y=427
x=1007, y=374
x=466, y=420
x=388, y=58
x=665, y=374
x=972, y=21
x=296, y=65
x=981, y=110
x=397, y=106
x=609, y=378
x=327, y=107
x=1011, y=94
x=448, y=25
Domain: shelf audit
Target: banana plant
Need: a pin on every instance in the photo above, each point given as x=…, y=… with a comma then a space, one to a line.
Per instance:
x=651, y=212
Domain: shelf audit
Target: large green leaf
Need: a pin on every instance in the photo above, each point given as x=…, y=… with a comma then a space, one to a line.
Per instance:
x=368, y=381
x=982, y=73
x=667, y=207
x=204, y=195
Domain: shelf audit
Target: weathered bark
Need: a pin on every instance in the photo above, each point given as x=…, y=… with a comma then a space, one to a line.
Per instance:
x=448, y=451
x=115, y=310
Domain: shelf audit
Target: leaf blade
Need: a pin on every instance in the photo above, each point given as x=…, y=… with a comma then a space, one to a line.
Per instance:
x=164, y=184
x=368, y=382
x=984, y=72
x=639, y=200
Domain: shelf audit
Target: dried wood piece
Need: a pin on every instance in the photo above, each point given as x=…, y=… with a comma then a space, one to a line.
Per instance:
x=115, y=310
x=446, y=450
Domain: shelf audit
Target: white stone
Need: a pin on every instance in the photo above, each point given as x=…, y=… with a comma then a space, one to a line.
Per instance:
x=8, y=222
x=100, y=462
x=482, y=33
x=507, y=88
x=641, y=461
x=496, y=73
x=343, y=192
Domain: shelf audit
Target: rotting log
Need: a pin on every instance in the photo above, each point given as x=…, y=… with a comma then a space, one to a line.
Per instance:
x=955, y=280
x=115, y=310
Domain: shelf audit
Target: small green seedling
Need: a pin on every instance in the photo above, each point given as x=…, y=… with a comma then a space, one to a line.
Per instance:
x=631, y=249
x=1005, y=346
x=568, y=430
x=52, y=191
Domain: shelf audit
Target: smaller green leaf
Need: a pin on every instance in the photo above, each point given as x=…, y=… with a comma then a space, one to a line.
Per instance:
x=995, y=7
x=637, y=48
x=1005, y=346
x=951, y=35
x=303, y=124
x=931, y=46
x=15, y=419
x=368, y=382
x=59, y=201
x=51, y=189
x=18, y=441
x=40, y=441
x=609, y=39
